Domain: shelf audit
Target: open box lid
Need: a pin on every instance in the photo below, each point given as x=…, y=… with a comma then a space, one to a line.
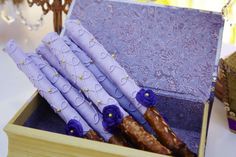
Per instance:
x=173, y=51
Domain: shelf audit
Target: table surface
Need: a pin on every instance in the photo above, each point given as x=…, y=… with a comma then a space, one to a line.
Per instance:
x=16, y=89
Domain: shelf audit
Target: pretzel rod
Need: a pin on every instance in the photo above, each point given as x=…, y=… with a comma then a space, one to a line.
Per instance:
x=109, y=86
x=113, y=114
x=77, y=100
x=75, y=97
x=104, y=61
x=92, y=135
x=119, y=139
x=145, y=141
x=142, y=99
x=166, y=135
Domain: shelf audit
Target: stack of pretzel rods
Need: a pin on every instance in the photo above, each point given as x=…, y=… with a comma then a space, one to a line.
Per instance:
x=143, y=100
x=113, y=113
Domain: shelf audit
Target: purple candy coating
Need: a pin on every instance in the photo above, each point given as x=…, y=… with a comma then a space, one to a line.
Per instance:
x=57, y=102
x=75, y=97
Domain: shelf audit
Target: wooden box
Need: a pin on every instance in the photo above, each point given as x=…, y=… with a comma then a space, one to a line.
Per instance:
x=180, y=64
x=30, y=142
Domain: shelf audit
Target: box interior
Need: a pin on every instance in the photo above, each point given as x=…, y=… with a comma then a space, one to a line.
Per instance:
x=44, y=118
x=189, y=130
x=170, y=50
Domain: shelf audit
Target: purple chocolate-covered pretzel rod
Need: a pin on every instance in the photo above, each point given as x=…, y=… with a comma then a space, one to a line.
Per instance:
x=76, y=126
x=79, y=74
x=108, y=85
x=74, y=96
x=113, y=115
x=143, y=100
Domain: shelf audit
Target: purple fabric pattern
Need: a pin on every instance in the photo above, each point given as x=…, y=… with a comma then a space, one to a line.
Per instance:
x=182, y=114
x=73, y=96
x=167, y=49
x=57, y=102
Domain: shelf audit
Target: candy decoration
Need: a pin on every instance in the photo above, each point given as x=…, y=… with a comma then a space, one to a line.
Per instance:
x=104, y=60
x=57, y=102
x=86, y=81
x=109, y=86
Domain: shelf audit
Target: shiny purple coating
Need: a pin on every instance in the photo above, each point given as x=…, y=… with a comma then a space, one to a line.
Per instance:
x=74, y=96
x=79, y=74
x=53, y=96
x=107, y=84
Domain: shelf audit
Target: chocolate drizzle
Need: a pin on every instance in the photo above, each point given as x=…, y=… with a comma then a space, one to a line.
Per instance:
x=166, y=136
x=92, y=135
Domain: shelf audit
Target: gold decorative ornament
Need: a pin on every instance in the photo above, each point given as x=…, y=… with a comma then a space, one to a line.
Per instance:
x=57, y=7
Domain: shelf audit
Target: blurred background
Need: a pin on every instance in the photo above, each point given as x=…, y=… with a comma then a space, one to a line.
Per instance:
x=27, y=25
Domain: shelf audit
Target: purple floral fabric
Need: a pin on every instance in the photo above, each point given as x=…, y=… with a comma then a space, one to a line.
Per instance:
x=170, y=50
